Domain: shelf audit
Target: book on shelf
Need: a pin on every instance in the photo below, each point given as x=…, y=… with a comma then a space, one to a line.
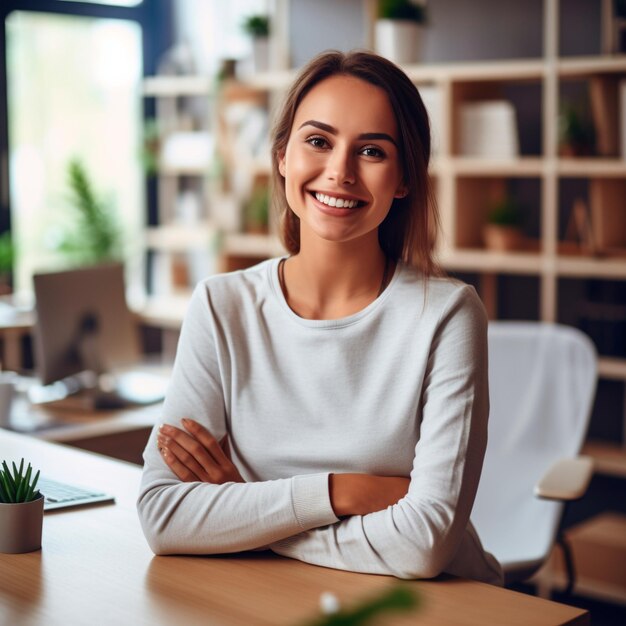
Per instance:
x=604, y=96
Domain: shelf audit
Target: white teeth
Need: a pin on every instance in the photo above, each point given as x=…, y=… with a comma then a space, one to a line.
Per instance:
x=336, y=202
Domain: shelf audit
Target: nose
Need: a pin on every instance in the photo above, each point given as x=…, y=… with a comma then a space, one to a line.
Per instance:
x=340, y=167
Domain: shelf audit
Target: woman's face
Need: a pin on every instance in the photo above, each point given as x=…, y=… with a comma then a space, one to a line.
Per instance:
x=341, y=165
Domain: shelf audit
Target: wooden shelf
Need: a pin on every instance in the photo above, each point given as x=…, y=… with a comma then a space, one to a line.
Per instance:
x=588, y=66
x=175, y=86
x=252, y=245
x=181, y=238
x=598, y=547
x=608, y=458
x=185, y=171
x=612, y=367
x=492, y=262
x=583, y=168
x=589, y=267
x=506, y=71
x=523, y=166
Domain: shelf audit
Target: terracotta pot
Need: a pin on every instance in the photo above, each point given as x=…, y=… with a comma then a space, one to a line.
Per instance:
x=503, y=238
x=20, y=526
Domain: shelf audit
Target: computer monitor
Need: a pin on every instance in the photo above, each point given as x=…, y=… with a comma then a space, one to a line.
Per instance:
x=83, y=323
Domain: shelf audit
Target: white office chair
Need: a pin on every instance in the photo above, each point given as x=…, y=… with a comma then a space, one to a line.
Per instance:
x=542, y=380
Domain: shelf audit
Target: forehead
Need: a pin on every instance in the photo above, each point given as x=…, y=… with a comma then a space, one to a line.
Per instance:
x=349, y=104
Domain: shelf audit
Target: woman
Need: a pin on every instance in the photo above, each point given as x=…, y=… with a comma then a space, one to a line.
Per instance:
x=332, y=405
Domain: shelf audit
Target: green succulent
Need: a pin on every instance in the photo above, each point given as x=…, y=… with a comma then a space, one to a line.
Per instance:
x=17, y=487
x=257, y=25
x=505, y=212
x=401, y=10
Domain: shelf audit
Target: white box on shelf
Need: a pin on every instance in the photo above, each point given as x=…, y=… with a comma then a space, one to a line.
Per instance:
x=184, y=150
x=488, y=130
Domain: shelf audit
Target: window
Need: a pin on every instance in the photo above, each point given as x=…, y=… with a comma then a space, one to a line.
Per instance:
x=70, y=78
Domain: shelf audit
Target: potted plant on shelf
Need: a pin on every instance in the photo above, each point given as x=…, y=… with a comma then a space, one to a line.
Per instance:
x=21, y=510
x=258, y=27
x=399, y=30
x=256, y=212
x=503, y=231
x=7, y=256
x=576, y=132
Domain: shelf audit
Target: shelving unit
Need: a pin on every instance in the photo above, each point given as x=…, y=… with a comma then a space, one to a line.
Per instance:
x=465, y=185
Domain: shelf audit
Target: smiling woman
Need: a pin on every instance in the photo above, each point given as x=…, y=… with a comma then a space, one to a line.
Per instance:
x=331, y=405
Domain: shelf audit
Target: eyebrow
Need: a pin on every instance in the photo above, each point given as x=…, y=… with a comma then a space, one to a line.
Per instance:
x=333, y=131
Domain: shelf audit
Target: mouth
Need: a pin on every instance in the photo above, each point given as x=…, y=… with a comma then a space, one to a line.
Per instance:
x=336, y=201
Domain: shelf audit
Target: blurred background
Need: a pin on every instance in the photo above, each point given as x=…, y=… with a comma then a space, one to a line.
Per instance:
x=138, y=131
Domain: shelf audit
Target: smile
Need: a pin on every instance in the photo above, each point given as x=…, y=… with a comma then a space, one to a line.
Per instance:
x=332, y=201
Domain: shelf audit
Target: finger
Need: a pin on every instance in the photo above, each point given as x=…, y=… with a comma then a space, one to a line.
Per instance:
x=225, y=447
x=181, y=471
x=192, y=449
x=208, y=441
x=185, y=458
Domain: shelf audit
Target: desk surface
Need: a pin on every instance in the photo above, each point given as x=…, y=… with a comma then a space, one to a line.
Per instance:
x=96, y=568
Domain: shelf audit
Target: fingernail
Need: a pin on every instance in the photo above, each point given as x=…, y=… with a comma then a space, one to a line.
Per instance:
x=164, y=428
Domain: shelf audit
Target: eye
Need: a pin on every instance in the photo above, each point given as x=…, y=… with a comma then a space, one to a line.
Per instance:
x=373, y=152
x=318, y=142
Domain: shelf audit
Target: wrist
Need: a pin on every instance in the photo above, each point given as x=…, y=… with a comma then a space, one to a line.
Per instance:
x=339, y=494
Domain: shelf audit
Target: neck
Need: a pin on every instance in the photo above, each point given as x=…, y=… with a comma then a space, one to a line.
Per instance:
x=327, y=280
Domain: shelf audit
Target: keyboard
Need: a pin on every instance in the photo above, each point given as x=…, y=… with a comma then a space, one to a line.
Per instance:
x=59, y=495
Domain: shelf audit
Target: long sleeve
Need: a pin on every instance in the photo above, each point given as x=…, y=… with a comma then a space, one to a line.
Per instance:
x=428, y=531
x=202, y=518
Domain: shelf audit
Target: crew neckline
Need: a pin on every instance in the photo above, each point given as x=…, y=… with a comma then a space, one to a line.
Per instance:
x=335, y=323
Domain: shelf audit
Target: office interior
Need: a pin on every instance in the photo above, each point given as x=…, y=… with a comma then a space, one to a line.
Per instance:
x=156, y=115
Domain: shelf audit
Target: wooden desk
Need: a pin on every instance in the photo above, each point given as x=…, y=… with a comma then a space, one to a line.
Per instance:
x=121, y=433
x=96, y=568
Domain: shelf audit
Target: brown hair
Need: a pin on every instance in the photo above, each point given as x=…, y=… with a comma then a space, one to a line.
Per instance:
x=409, y=230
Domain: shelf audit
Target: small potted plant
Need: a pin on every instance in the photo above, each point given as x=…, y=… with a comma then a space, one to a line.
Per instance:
x=21, y=510
x=258, y=27
x=399, y=30
x=256, y=213
x=503, y=231
x=576, y=132
x=7, y=255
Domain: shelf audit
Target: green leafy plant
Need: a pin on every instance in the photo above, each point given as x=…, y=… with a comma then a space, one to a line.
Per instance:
x=505, y=212
x=398, y=599
x=576, y=131
x=96, y=236
x=402, y=10
x=7, y=253
x=151, y=147
x=256, y=214
x=17, y=487
x=257, y=25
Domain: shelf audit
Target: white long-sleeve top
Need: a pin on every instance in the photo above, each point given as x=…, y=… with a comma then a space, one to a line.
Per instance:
x=398, y=389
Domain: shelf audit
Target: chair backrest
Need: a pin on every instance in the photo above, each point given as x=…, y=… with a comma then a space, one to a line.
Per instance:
x=542, y=380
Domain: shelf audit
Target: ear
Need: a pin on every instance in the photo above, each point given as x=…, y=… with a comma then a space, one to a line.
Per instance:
x=401, y=191
x=282, y=165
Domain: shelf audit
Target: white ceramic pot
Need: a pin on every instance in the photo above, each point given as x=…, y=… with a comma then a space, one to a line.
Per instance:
x=399, y=41
x=20, y=526
x=261, y=54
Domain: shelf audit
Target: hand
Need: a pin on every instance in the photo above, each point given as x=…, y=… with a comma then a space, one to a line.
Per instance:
x=360, y=494
x=195, y=455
